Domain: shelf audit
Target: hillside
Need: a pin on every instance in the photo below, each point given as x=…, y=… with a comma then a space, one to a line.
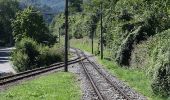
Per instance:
x=52, y=5
x=45, y=6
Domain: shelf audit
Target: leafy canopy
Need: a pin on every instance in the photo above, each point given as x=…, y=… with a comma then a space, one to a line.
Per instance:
x=30, y=23
x=8, y=8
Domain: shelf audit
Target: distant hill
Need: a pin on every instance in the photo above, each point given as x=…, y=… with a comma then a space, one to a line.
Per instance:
x=50, y=6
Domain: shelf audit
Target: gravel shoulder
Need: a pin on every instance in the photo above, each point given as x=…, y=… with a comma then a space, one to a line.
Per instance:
x=87, y=90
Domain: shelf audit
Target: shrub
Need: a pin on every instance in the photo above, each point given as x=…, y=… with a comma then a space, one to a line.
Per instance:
x=29, y=55
x=70, y=36
x=78, y=35
x=24, y=57
x=20, y=61
x=161, y=79
x=161, y=65
x=50, y=55
x=154, y=56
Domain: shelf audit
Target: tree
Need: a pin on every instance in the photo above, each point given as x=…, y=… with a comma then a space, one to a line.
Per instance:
x=8, y=9
x=75, y=5
x=30, y=23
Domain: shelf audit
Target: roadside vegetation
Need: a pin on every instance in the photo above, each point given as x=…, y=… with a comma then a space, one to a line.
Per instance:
x=26, y=29
x=8, y=9
x=35, y=45
x=136, y=36
x=57, y=86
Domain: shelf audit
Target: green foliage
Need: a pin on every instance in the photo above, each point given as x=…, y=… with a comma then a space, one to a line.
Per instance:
x=132, y=30
x=124, y=54
x=57, y=27
x=50, y=55
x=78, y=35
x=161, y=65
x=29, y=55
x=134, y=77
x=30, y=23
x=24, y=57
x=160, y=84
x=153, y=56
x=79, y=28
x=32, y=37
x=75, y=5
x=8, y=9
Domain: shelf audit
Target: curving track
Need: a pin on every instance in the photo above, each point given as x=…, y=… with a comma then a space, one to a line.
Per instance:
x=20, y=76
x=104, y=88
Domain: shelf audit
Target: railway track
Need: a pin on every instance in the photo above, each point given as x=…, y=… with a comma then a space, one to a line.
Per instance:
x=20, y=76
x=113, y=86
x=97, y=91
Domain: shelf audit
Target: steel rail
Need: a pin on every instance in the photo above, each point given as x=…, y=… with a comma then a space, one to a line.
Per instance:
x=100, y=97
x=107, y=79
x=36, y=69
x=37, y=72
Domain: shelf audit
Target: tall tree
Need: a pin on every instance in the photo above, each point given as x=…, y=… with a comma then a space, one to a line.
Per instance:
x=30, y=23
x=8, y=9
x=75, y=5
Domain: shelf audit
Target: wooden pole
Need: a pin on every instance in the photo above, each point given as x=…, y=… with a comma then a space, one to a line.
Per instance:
x=66, y=36
x=101, y=24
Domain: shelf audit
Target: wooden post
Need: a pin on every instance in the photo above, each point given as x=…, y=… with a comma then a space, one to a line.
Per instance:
x=66, y=36
x=101, y=24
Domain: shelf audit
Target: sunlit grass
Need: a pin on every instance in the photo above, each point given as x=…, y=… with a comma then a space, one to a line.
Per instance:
x=84, y=44
x=58, y=86
x=135, y=78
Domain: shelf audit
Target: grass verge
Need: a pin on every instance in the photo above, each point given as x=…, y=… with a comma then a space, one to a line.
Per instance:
x=135, y=78
x=57, y=86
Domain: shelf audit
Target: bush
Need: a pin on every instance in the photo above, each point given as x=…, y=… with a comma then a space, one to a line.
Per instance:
x=78, y=35
x=24, y=57
x=50, y=55
x=161, y=65
x=29, y=55
x=70, y=36
x=161, y=81
x=153, y=55
x=20, y=61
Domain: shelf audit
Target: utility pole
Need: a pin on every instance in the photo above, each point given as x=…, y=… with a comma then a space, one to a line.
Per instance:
x=66, y=36
x=92, y=42
x=59, y=35
x=101, y=37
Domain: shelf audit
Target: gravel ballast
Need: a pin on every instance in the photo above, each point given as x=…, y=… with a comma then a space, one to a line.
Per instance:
x=108, y=92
